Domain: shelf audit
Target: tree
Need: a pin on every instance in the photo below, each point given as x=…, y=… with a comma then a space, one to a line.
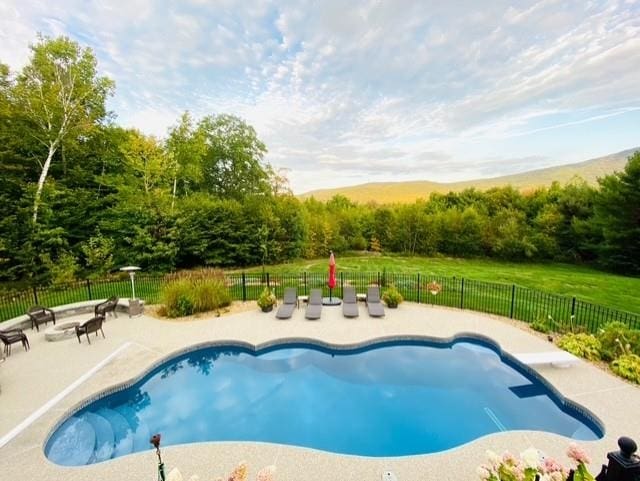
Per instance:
x=232, y=165
x=59, y=95
x=617, y=213
x=185, y=147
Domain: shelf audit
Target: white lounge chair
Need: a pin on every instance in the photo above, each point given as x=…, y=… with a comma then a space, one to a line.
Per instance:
x=555, y=358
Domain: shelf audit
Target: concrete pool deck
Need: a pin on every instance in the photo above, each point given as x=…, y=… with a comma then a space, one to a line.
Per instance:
x=28, y=380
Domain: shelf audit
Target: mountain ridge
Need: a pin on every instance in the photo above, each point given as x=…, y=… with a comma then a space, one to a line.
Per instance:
x=409, y=191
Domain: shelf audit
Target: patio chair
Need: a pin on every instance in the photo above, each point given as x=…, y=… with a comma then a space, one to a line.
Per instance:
x=11, y=336
x=314, y=306
x=349, y=302
x=288, y=304
x=40, y=315
x=92, y=325
x=374, y=305
x=108, y=306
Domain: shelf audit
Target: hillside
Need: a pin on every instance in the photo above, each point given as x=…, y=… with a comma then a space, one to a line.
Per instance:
x=403, y=192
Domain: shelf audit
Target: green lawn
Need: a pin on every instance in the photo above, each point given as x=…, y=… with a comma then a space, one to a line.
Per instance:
x=587, y=284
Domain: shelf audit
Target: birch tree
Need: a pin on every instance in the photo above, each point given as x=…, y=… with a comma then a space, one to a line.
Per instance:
x=59, y=95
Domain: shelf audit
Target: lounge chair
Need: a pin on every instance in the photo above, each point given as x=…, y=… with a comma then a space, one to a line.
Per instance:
x=288, y=304
x=349, y=302
x=314, y=306
x=373, y=302
x=11, y=336
x=92, y=325
x=108, y=306
x=40, y=315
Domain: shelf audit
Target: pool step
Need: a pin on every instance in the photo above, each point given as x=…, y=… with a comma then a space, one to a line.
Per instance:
x=73, y=443
x=122, y=432
x=140, y=429
x=104, y=444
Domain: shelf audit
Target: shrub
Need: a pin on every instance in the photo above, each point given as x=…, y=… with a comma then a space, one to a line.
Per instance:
x=392, y=297
x=267, y=299
x=582, y=345
x=628, y=367
x=616, y=339
x=195, y=292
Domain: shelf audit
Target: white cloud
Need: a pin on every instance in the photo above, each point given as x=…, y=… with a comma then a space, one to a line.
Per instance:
x=375, y=90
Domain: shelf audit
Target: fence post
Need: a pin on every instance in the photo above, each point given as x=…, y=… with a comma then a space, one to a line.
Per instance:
x=89, y=289
x=573, y=306
x=268, y=282
x=35, y=295
x=418, y=288
x=341, y=285
x=462, y=295
x=379, y=279
x=513, y=299
x=244, y=287
x=305, y=282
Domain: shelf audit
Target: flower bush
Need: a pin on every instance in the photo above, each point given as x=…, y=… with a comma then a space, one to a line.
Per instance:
x=616, y=339
x=582, y=345
x=531, y=466
x=240, y=473
x=628, y=367
x=434, y=288
x=392, y=297
x=267, y=299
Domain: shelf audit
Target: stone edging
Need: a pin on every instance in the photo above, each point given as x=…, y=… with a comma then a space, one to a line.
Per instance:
x=66, y=310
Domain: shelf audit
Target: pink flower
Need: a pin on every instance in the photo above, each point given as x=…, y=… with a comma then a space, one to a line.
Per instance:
x=509, y=459
x=483, y=472
x=557, y=476
x=551, y=466
x=577, y=454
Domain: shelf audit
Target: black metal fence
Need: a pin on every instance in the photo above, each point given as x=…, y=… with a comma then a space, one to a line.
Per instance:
x=511, y=301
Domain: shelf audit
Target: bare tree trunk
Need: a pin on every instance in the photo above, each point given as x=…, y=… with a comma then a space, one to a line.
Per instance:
x=43, y=177
x=175, y=185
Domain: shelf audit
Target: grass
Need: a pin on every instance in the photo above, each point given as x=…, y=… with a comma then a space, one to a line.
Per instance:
x=590, y=285
x=587, y=284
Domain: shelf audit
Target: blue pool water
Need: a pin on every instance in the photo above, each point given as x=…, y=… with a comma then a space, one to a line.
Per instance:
x=386, y=400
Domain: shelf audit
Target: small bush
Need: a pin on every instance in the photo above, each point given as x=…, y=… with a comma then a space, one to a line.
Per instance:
x=618, y=339
x=267, y=299
x=392, y=297
x=582, y=345
x=186, y=295
x=628, y=367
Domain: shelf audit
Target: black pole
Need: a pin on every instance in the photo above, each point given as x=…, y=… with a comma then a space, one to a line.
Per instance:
x=513, y=299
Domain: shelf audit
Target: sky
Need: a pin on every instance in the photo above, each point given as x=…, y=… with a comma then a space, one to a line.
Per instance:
x=350, y=92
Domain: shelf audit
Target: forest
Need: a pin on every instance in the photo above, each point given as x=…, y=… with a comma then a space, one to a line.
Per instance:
x=81, y=196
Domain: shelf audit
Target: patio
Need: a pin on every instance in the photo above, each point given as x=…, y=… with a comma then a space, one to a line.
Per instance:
x=31, y=379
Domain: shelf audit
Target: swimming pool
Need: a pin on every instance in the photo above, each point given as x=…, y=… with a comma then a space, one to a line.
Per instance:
x=387, y=399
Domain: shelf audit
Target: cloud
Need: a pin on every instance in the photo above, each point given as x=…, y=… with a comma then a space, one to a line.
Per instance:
x=378, y=90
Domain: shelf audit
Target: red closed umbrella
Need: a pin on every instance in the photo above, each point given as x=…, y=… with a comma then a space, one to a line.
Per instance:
x=332, y=273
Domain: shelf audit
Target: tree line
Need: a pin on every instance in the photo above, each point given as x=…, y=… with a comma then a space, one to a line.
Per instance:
x=80, y=195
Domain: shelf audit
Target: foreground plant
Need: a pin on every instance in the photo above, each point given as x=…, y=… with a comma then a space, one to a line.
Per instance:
x=531, y=466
